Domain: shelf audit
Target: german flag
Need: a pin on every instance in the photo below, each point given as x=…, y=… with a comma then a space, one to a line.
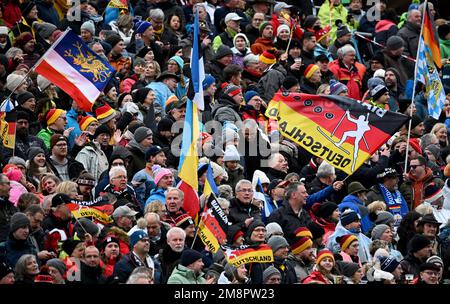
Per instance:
x=8, y=129
x=343, y=131
x=99, y=211
x=213, y=226
x=248, y=254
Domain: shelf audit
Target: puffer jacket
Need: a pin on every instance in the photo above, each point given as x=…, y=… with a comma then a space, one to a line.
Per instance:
x=93, y=159
x=226, y=110
x=183, y=275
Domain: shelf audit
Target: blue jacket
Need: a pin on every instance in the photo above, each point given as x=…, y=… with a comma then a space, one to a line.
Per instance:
x=156, y=194
x=162, y=93
x=364, y=243
x=352, y=202
x=72, y=122
x=128, y=263
x=144, y=189
x=12, y=250
x=319, y=197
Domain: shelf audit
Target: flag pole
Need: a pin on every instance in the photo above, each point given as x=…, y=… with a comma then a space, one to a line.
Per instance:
x=425, y=10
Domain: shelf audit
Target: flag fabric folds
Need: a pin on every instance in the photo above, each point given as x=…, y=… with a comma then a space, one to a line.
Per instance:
x=343, y=131
x=213, y=226
x=197, y=68
x=210, y=184
x=428, y=58
x=248, y=254
x=114, y=8
x=72, y=66
x=259, y=194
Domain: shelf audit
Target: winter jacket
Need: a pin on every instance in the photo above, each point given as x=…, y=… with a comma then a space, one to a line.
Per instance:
x=385, y=29
x=404, y=66
x=72, y=122
x=301, y=269
x=271, y=81
x=162, y=92
x=413, y=190
x=138, y=154
x=225, y=38
x=13, y=249
x=288, y=220
x=327, y=226
x=23, y=144
x=45, y=135
x=316, y=276
x=226, y=110
x=168, y=259
x=287, y=270
x=129, y=262
x=93, y=159
x=47, y=12
x=261, y=45
x=351, y=77
x=445, y=48
x=91, y=275
x=239, y=212
x=329, y=15
x=353, y=202
x=74, y=168
x=157, y=194
x=410, y=34
x=411, y=265
x=183, y=275
x=364, y=243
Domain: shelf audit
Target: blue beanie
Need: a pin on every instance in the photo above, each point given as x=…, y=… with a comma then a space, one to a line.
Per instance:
x=178, y=60
x=349, y=216
x=337, y=87
x=137, y=236
x=249, y=95
x=388, y=264
x=208, y=81
x=142, y=26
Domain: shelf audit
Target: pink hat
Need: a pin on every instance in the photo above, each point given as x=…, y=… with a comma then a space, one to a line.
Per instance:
x=161, y=173
x=14, y=174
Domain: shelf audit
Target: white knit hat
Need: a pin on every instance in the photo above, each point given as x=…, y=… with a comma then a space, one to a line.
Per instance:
x=42, y=82
x=13, y=80
x=231, y=154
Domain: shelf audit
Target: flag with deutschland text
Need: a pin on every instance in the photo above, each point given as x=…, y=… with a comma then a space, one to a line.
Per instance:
x=343, y=131
x=248, y=254
x=213, y=226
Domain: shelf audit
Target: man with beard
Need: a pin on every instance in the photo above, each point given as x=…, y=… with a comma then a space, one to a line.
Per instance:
x=391, y=77
x=27, y=104
x=92, y=156
x=7, y=208
x=61, y=163
x=169, y=256
x=157, y=232
x=24, y=140
x=395, y=46
x=143, y=139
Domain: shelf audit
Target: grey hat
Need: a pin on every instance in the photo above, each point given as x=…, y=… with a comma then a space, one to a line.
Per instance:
x=16, y=160
x=373, y=82
x=85, y=225
x=18, y=220
x=378, y=230
x=44, y=29
x=276, y=242
x=88, y=26
x=348, y=269
x=384, y=217
x=142, y=133
x=342, y=31
x=123, y=211
x=270, y=271
x=378, y=91
x=33, y=151
x=223, y=51
x=273, y=229
x=58, y=264
x=395, y=42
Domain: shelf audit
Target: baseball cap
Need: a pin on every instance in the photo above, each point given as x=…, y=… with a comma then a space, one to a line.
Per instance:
x=281, y=5
x=232, y=16
x=123, y=211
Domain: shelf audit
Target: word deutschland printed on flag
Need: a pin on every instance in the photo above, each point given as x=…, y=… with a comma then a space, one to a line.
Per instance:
x=72, y=66
x=213, y=226
x=343, y=131
x=248, y=254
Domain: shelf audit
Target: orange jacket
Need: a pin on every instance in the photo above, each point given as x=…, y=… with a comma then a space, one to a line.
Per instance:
x=352, y=77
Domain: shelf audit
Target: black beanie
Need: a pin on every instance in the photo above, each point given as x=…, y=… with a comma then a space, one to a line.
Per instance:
x=418, y=242
x=326, y=209
x=102, y=129
x=443, y=30
x=189, y=256
x=415, y=121
x=316, y=230
x=252, y=226
x=22, y=98
x=69, y=245
x=165, y=124
x=140, y=95
x=289, y=82
x=18, y=220
x=23, y=115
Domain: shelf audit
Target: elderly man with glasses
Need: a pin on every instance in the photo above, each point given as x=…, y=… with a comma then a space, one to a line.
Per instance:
x=242, y=211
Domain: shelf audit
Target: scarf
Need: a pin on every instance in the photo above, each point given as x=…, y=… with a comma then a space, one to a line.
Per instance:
x=394, y=200
x=158, y=33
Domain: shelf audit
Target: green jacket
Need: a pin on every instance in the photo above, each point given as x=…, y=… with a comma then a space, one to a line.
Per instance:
x=445, y=48
x=183, y=275
x=45, y=135
x=329, y=18
x=218, y=39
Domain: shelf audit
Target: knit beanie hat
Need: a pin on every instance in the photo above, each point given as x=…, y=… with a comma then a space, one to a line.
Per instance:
x=303, y=232
x=69, y=246
x=349, y=216
x=18, y=220
x=102, y=129
x=348, y=269
x=88, y=26
x=273, y=228
x=337, y=87
x=231, y=154
x=378, y=91
x=435, y=260
x=86, y=179
x=190, y=256
x=5, y=269
x=178, y=60
x=108, y=240
x=24, y=97
x=317, y=231
x=443, y=30
x=33, y=151
x=415, y=121
x=222, y=51
x=142, y=133
x=137, y=236
x=384, y=217
x=104, y=113
x=58, y=265
x=85, y=225
x=56, y=138
x=378, y=230
x=208, y=81
x=16, y=160
x=418, y=242
x=263, y=25
x=13, y=80
x=380, y=73
x=142, y=26
x=324, y=254
x=394, y=42
x=59, y=199
x=289, y=82
x=232, y=90
x=249, y=95
x=44, y=29
x=342, y=31
x=268, y=57
x=373, y=82
x=165, y=124
x=310, y=70
x=326, y=209
x=42, y=82
x=346, y=240
x=283, y=27
x=300, y=244
x=159, y=174
x=388, y=264
x=53, y=115
x=85, y=121
x=253, y=226
x=269, y=272
x=276, y=242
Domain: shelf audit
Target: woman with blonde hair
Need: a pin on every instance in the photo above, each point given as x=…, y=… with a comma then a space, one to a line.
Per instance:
x=440, y=131
x=68, y=187
x=323, y=89
x=48, y=184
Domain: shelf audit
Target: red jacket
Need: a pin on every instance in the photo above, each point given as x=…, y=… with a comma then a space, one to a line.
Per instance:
x=298, y=32
x=316, y=276
x=352, y=77
x=11, y=14
x=261, y=45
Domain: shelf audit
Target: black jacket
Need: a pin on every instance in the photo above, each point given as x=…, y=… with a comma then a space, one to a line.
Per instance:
x=7, y=210
x=287, y=270
x=274, y=174
x=288, y=220
x=168, y=259
x=239, y=212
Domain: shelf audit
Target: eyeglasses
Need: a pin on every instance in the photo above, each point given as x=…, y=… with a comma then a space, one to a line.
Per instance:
x=246, y=190
x=414, y=166
x=432, y=273
x=61, y=145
